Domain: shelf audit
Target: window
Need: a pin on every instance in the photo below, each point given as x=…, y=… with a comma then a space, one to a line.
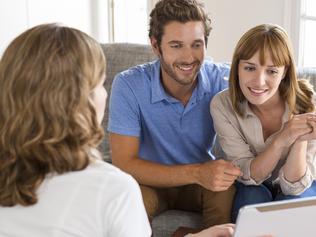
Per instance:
x=308, y=34
x=129, y=21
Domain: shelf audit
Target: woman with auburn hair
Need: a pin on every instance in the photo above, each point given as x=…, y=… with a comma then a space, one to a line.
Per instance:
x=52, y=179
x=265, y=122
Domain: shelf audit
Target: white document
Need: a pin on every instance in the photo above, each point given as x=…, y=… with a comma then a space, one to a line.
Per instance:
x=290, y=218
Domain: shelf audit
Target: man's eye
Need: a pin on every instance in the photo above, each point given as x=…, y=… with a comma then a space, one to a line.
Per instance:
x=175, y=46
x=197, y=45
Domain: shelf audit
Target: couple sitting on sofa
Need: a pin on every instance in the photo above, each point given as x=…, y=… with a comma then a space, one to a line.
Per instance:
x=161, y=129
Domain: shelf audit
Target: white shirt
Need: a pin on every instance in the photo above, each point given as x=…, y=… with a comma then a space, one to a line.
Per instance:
x=242, y=140
x=100, y=201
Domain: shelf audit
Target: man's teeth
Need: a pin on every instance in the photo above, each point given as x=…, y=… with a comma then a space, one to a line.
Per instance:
x=257, y=90
x=185, y=68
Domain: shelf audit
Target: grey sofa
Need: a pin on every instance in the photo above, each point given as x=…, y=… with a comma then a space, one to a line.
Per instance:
x=121, y=56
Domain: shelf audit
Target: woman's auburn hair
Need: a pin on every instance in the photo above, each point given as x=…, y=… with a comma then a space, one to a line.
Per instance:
x=270, y=39
x=48, y=123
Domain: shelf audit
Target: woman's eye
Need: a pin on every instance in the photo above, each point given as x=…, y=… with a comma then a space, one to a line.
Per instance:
x=273, y=72
x=247, y=68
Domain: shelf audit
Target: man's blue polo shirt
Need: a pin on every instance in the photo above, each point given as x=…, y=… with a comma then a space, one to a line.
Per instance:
x=169, y=133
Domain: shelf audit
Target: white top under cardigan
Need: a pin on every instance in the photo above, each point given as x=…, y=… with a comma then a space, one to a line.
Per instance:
x=242, y=140
x=100, y=201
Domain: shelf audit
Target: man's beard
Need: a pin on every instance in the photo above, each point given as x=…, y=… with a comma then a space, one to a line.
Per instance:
x=171, y=71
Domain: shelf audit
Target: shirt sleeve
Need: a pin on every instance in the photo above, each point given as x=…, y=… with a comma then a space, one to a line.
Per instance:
x=224, y=77
x=126, y=215
x=124, y=117
x=306, y=181
x=231, y=138
x=220, y=73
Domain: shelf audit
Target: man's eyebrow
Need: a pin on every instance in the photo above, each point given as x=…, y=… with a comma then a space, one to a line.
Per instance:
x=198, y=41
x=175, y=42
x=181, y=42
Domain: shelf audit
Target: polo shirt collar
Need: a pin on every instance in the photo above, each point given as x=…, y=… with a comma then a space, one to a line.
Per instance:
x=159, y=93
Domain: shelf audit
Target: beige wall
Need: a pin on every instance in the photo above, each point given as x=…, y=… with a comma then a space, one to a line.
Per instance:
x=231, y=18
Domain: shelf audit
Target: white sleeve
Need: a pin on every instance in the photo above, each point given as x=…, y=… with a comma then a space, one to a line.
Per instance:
x=125, y=215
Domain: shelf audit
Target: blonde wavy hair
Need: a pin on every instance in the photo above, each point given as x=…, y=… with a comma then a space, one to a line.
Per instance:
x=271, y=39
x=48, y=123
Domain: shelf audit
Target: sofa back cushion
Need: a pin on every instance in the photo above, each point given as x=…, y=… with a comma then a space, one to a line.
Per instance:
x=119, y=57
x=308, y=73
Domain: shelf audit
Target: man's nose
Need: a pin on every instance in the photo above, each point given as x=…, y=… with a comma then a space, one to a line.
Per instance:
x=187, y=54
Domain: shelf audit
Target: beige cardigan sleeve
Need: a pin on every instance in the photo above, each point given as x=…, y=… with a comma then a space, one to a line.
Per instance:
x=231, y=137
x=230, y=129
x=306, y=181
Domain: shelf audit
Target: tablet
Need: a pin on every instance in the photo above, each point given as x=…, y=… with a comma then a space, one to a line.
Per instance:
x=289, y=218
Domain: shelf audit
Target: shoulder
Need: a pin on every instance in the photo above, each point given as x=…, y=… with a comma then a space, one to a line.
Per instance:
x=98, y=182
x=136, y=80
x=210, y=67
x=104, y=172
x=139, y=72
x=221, y=105
x=221, y=99
x=214, y=75
x=115, y=186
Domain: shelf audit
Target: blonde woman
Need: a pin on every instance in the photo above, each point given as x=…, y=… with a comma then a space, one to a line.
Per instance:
x=265, y=122
x=52, y=181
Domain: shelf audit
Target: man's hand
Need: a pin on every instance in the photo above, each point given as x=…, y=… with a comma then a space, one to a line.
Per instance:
x=217, y=175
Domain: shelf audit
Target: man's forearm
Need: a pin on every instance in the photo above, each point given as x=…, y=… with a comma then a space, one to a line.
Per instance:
x=159, y=175
x=125, y=151
x=212, y=175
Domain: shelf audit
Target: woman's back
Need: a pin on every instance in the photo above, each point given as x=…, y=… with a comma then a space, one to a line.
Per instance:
x=95, y=202
x=52, y=179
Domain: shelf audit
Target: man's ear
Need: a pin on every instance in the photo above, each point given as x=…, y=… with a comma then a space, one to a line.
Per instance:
x=154, y=45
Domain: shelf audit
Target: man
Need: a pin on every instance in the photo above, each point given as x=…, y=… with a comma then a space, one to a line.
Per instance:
x=160, y=128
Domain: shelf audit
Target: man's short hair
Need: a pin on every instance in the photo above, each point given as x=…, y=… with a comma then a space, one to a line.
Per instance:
x=182, y=11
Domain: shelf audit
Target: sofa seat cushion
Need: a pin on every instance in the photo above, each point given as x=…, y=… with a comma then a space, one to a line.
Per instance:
x=169, y=221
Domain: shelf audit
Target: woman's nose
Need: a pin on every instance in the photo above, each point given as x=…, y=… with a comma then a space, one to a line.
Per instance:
x=260, y=78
